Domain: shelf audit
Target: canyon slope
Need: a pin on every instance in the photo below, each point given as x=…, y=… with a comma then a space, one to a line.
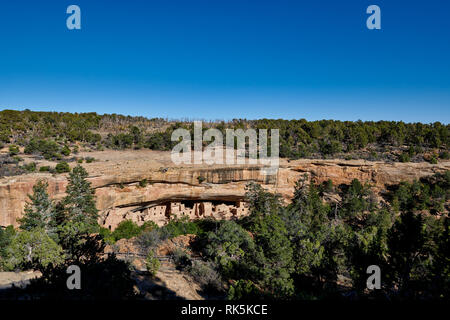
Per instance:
x=133, y=184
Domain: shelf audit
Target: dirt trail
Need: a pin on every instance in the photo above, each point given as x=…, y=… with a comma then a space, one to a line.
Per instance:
x=18, y=279
x=168, y=284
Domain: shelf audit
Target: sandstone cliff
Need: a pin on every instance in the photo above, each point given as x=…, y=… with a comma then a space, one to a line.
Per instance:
x=116, y=176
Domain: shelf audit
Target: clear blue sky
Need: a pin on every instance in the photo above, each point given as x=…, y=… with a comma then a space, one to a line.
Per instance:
x=224, y=59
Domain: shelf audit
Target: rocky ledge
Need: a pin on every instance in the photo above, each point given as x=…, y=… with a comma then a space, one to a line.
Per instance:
x=117, y=177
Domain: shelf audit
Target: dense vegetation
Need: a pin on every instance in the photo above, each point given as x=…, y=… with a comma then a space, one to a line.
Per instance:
x=312, y=249
x=56, y=135
x=309, y=249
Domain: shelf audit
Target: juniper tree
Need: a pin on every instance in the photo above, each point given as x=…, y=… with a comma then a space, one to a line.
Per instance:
x=229, y=247
x=6, y=236
x=33, y=249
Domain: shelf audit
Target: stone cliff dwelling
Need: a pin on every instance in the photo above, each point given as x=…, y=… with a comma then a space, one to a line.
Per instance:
x=161, y=213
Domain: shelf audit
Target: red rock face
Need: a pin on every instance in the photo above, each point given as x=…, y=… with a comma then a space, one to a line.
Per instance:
x=14, y=194
x=120, y=188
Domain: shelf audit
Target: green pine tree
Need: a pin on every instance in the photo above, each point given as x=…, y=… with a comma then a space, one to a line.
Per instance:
x=272, y=259
x=79, y=202
x=40, y=212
